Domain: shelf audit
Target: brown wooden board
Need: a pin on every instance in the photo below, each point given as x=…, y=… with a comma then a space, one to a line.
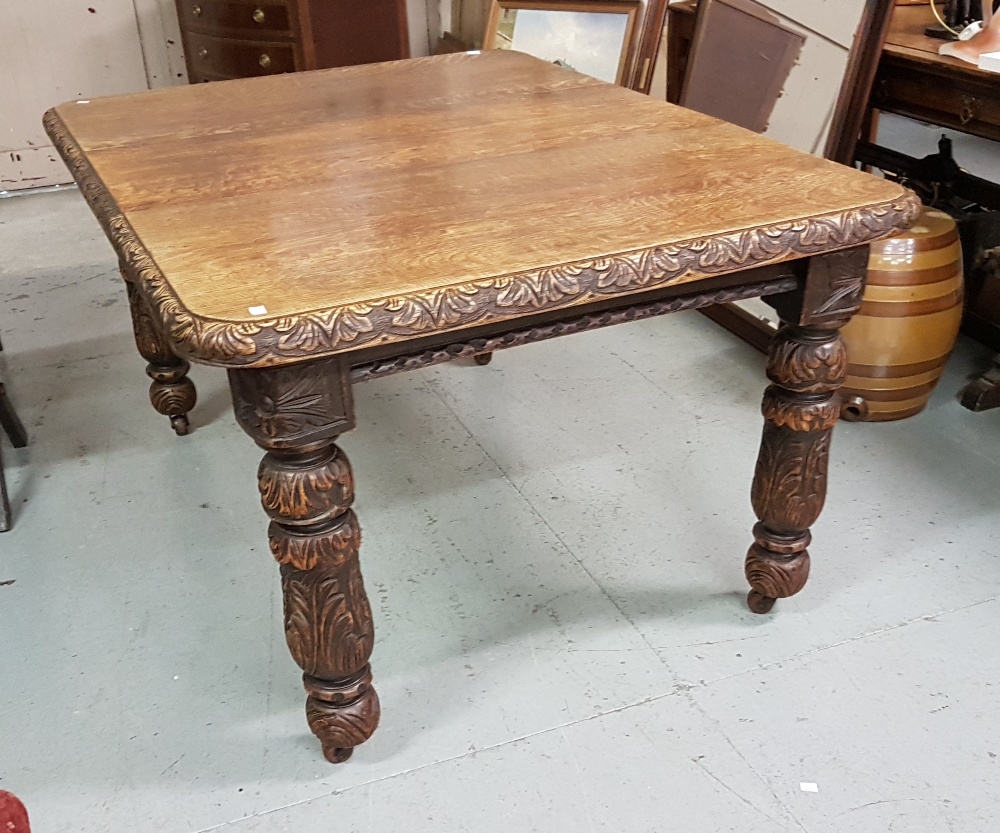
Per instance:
x=740, y=59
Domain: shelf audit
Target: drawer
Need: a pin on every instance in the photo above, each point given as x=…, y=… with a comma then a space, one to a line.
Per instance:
x=235, y=58
x=956, y=99
x=247, y=19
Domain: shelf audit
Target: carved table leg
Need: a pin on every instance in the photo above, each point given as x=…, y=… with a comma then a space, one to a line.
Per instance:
x=171, y=392
x=807, y=364
x=307, y=488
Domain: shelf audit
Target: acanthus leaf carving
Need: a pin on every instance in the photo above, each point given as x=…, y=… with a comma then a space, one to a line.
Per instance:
x=789, y=485
x=328, y=623
x=543, y=289
x=264, y=341
x=806, y=366
x=437, y=310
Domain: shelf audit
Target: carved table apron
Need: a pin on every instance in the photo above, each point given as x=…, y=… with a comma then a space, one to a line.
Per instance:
x=383, y=249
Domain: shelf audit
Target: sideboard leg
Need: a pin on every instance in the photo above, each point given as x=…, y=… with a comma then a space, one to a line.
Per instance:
x=983, y=393
x=806, y=365
x=483, y=359
x=172, y=393
x=307, y=488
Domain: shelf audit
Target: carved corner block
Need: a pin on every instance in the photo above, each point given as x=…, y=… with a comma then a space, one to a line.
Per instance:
x=284, y=408
x=831, y=291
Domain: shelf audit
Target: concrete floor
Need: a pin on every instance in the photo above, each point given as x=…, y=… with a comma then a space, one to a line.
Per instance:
x=553, y=549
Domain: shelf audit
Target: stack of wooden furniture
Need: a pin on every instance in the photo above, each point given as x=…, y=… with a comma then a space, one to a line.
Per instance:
x=242, y=38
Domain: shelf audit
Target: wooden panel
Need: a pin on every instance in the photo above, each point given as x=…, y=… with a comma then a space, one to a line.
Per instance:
x=936, y=94
x=235, y=58
x=740, y=59
x=244, y=19
x=350, y=32
x=680, y=34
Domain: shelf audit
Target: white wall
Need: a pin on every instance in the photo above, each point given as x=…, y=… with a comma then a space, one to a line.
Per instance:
x=52, y=51
x=801, y=117
x=57, y=50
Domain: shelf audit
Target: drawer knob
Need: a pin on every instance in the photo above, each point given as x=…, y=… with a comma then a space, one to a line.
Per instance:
x=258, y=15
x=196, y=11
x=202, y=53
x=264, y=60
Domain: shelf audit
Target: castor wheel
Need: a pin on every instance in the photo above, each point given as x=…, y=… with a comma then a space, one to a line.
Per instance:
x=180, y=424
x=483, y=359
x=339, y=754
x=759, y=603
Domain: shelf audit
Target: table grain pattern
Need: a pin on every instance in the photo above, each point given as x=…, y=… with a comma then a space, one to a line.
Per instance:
x=373, y=204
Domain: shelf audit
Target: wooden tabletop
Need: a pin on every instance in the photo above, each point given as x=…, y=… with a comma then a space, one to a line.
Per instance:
x=309, y=214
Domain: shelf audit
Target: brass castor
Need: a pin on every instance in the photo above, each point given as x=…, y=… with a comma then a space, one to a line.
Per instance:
x=339, y=754
x=180, y=424
x=759, y=603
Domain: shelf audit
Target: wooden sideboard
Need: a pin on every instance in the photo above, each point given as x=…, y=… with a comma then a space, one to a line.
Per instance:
x=241, y=38
x=913, y=80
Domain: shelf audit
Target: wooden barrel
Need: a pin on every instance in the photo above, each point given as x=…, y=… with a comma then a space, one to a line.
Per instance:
x=900, y=339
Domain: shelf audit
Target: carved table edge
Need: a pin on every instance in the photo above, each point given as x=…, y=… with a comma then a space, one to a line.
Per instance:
x=281, y=340
x=575, y=324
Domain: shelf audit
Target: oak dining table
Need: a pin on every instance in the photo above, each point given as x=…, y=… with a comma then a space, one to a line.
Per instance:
x=312, y=231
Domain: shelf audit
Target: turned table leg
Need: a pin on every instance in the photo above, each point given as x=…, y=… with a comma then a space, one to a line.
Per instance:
x=307, y=488
x=806, y=365
x=172, y=393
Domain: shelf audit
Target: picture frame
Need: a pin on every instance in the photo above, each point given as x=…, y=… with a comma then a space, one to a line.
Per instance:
x=654, y=21
x=594, y=37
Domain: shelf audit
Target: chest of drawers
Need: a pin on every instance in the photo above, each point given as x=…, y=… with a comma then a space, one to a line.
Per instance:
x=241, y=38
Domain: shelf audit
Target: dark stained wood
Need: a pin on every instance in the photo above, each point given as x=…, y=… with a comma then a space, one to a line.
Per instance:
x=913, y=80
x=852, y=104
x=234, y=58
x=983, y=392
x=226, y=39
x=349, y=32
x=680, y=34
x=649, y=45
x=382, y=215
x=243, y=19
x=742, y=324
x=171, y=392
x=14, y=428
x=307, y=488
x=806, y=365
x=481, y=345
x=11, y=424
x=10, y=421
